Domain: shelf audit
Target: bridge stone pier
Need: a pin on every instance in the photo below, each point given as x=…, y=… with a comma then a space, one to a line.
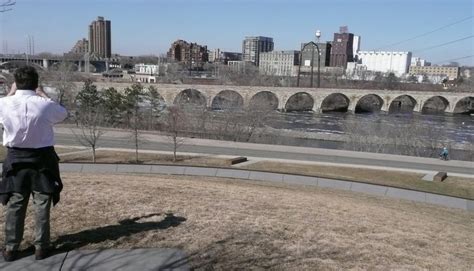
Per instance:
x=207, y=95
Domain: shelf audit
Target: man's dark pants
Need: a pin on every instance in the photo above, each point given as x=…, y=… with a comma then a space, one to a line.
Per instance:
x=15, y=219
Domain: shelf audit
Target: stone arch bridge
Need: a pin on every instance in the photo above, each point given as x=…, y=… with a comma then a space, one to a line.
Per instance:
x=282, y=98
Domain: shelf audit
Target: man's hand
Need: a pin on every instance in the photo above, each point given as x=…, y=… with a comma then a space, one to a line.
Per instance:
x=41, y=92
x=12, y=90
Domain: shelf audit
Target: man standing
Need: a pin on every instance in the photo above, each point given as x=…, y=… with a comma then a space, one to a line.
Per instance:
x=31, y=165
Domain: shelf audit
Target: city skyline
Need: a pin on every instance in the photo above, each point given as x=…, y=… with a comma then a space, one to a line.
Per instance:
x=225, y=24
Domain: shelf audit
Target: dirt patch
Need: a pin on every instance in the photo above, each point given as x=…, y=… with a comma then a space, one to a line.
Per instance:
x=105, y=156
x=228, y=224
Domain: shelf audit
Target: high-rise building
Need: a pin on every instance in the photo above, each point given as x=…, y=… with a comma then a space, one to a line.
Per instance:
x=253, y=46
x=342, y=49
x=100, y=38
x=189, y=53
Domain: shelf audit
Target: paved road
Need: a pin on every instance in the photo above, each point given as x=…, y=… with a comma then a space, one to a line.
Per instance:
x=121, y=140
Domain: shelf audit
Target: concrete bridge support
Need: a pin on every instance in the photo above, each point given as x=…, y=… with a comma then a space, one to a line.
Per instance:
x=353, y=104
x=282, y=103
x=418, y=106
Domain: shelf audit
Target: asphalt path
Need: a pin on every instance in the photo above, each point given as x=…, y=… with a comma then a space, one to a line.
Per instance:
x=126, y=142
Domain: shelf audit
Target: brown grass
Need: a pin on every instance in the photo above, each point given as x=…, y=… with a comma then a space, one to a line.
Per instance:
x=225, y=224
x=452, y=186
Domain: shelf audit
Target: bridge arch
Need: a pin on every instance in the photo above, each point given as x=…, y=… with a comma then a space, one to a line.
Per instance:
x=402, y=104
x=435, y=104
x=300, y=101
x=335, y=102
x=369, y=103
x=227, y=100
x=265, y=100
x=465, y=106
x=190, y=98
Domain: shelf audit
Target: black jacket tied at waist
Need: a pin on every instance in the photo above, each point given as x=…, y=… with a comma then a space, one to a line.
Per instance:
x=26, y=170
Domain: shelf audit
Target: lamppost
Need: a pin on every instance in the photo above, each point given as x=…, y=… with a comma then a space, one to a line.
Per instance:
x=5, y=6
x=318, y=35
x=313, y=45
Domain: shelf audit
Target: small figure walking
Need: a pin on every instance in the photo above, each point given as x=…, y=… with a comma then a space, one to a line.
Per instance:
x=444, y=154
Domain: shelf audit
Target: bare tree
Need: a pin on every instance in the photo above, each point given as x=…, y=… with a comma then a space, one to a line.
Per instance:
x=133, y=98
x=90, y=130
x=174, y=121
x=237, y=124
x=173, y=73
x=62, y=78
x=391, y=81
x=405, y=139
x=90, y=117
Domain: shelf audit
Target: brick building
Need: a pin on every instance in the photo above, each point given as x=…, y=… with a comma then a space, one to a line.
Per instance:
x=100, y=38
x=188, y=53
x=342, y=50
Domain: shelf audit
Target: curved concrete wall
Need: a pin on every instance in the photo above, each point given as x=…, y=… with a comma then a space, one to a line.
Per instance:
x=372, y=189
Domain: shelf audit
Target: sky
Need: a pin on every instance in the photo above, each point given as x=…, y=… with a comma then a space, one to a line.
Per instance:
x=143, y=27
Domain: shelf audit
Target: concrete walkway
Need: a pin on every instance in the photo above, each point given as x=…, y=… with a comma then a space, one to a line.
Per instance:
x=156, y=142
x=243, y=174
x=101, y=260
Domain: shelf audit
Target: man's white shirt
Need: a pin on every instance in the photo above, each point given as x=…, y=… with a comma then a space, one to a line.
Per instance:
x=28, y=119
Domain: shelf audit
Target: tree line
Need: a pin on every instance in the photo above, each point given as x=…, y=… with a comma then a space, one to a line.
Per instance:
x=138, y=108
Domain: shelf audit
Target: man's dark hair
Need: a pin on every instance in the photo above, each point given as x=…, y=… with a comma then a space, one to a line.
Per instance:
x=26, y=78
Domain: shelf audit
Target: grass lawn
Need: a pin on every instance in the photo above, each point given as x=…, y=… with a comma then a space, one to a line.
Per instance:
x=225, y=224
x=453, y=186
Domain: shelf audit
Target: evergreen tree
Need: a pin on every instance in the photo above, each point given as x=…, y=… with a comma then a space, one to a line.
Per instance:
x=156, y=104
x=88, y=97
x=113, y=103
